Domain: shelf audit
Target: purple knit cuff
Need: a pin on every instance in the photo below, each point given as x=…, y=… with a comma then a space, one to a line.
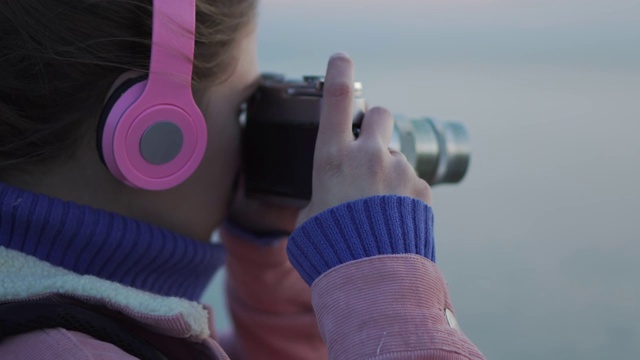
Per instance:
x=378, y=225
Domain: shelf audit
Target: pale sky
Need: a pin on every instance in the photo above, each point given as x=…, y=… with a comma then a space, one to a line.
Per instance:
x=539, y=243
x=584, y=32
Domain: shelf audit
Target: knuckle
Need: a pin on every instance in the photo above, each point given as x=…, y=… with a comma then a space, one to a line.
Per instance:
x=405, y=174
x=402, y=164
x=399, y=155
x=338, y=89
x=373, y=156
x=423, y=191
x=379, y=112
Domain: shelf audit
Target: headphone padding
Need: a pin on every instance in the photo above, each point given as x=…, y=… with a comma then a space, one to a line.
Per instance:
x=108, y=106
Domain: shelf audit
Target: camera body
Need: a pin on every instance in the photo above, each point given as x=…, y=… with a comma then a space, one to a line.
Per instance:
x=280, y=130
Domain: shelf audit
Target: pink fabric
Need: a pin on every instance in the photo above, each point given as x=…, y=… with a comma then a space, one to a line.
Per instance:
x=270, y=303
x=58, y=344
x=388, y=307
x=385, y=307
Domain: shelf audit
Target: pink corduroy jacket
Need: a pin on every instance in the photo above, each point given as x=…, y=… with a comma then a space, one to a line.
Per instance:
x=384, y=307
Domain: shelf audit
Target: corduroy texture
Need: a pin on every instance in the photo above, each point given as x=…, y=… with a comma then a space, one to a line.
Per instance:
x=88, y=241
x=388, y=307
x=377, y=225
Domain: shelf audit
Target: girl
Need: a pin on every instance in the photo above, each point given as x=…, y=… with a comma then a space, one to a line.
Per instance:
x=100, y=262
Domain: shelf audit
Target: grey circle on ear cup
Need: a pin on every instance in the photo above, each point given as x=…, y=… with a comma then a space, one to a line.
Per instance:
x=161, y=143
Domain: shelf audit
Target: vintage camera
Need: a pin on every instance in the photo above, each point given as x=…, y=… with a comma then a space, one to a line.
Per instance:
x=280, y=128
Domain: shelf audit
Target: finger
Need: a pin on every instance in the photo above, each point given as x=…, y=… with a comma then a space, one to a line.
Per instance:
x=423, y=192
x=398, y=154
x=377, y=125
x=337, y=103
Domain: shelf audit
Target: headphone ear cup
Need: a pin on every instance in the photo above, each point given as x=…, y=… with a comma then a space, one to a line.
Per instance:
x=151, y=137
x=113, y=99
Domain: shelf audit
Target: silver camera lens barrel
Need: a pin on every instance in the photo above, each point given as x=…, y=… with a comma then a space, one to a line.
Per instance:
x=455, y=151
x=438, y=150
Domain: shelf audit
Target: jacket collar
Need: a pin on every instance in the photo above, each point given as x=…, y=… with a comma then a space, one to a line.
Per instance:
x=24, y=278
x=94, y=242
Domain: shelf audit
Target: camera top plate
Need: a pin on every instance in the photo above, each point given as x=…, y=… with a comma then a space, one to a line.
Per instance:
x=309, y=85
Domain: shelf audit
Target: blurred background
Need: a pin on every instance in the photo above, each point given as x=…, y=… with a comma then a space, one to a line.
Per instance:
x=540, y=242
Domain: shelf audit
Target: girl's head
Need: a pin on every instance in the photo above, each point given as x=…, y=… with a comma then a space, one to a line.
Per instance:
x=60, y=59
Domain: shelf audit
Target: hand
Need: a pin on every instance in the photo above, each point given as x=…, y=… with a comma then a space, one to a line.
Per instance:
x=345, y=168
x=261, y=217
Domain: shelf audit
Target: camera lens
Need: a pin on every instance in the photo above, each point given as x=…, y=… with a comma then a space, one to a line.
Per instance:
x=438, y=150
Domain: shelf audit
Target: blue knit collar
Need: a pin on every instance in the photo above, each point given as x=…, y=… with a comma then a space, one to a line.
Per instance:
x=95, y=242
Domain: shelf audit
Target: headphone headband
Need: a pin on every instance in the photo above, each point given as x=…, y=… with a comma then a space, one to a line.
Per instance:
x=173, y=43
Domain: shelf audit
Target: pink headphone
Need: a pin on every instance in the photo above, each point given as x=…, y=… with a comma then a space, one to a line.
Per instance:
x=151, y=134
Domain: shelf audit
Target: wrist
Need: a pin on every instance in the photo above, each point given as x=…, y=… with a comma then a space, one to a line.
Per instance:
x=258, y=236
x=377, y=225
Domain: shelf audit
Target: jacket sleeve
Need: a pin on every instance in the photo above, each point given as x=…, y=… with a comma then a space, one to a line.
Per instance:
x=270, y=304
x=59, y=343
x=389, y=307
x=377, y=292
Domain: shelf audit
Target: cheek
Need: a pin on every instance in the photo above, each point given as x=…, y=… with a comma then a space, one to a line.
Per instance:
x=213, y=182
x=223, y=149
x=223, y=128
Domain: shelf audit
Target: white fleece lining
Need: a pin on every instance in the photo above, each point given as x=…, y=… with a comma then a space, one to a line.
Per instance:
x=23, y=276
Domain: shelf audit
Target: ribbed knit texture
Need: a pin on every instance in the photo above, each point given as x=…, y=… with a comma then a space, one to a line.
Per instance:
x=88, y=241
x=377, y=225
